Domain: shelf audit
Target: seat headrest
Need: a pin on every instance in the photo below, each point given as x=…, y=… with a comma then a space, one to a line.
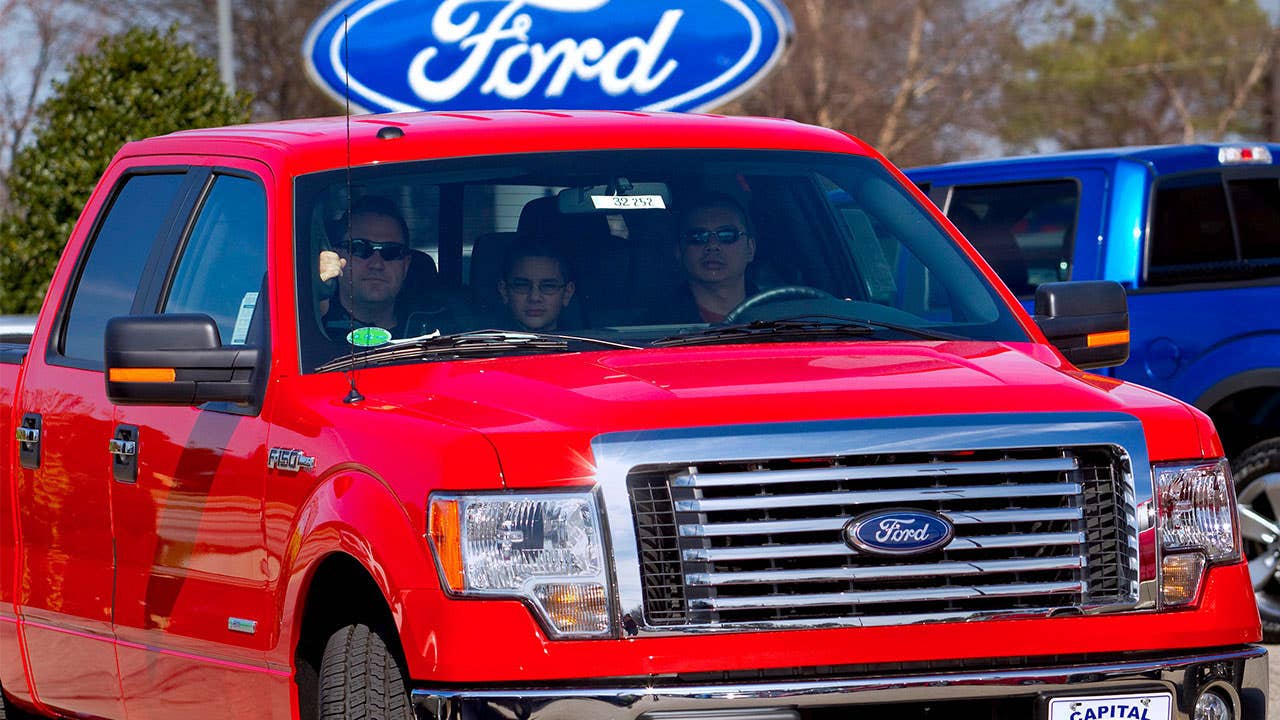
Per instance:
x=541, y=218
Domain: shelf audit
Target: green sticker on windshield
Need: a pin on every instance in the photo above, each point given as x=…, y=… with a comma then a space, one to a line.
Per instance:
x=369, y=337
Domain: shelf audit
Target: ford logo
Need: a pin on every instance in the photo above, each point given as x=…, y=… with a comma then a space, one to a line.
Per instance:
x=681, y=55
x=898, y=532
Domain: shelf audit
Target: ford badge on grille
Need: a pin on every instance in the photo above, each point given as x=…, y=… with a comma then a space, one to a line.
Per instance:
x=898, y=532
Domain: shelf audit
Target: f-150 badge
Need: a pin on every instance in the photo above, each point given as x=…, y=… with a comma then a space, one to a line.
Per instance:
x=289, y=460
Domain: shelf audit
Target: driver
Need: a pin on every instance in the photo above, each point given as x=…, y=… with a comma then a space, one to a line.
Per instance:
x=715, y=243
x=367, y=269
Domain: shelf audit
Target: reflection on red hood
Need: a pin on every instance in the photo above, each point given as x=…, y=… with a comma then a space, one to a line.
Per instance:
x=528, y=405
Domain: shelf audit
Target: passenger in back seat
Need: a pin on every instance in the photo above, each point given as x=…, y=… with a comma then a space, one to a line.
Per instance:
x=536, y=285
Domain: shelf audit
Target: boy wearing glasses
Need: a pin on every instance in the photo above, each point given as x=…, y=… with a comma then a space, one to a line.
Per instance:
x=535, y=285
x=714, y=247
x=367, y=272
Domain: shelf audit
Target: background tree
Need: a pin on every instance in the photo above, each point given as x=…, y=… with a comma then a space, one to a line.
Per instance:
x=137, y=84
x=37, y=36
x=1142, y=72
x=268, y=46
x=914, y=79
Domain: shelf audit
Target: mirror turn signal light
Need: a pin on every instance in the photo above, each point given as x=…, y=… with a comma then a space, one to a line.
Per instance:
x=160, y=375
x=1102, y=339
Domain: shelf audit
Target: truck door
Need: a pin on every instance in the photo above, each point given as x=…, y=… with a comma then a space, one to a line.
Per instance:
x=193, y=617
x=63, y=488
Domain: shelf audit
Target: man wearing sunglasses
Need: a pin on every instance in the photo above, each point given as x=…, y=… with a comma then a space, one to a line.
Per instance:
x=714, y=246
x=367, y=271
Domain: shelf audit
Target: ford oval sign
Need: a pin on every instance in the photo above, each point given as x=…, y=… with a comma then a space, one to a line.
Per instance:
x=898, y=532
x=683, y=55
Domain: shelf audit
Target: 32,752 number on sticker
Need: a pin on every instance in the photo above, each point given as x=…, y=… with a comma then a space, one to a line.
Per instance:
x=628, y=202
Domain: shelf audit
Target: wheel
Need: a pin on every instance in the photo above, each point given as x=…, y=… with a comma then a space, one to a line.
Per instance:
x=360, y=677
x=1257, y=474
x=778, y=294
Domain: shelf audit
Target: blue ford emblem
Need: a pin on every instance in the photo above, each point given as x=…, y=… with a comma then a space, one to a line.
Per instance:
x=898, y=532
x=682, y=55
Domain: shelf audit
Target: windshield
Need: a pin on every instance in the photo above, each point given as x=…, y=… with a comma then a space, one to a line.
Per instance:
x=626, y=249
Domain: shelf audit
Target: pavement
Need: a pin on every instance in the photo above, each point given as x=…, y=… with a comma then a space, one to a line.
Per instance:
x=1273, y=686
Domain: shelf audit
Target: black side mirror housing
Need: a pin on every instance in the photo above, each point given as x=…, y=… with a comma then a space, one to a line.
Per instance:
x=1088, y=321
x=175, y=360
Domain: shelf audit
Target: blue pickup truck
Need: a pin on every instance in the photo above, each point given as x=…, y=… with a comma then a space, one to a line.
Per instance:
x=1193, y=234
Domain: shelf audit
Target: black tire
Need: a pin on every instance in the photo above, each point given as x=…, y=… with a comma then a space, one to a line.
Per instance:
x=360, y=677
x=1257, y=476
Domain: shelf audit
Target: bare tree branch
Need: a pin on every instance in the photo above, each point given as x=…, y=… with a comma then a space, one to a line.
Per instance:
x=1261, y=62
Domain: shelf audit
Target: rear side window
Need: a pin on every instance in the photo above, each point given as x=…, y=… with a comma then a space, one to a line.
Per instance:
x=1204, y=229
x=1256, y=202
x=223, y=265
x=117, y=256
x=1024, y=230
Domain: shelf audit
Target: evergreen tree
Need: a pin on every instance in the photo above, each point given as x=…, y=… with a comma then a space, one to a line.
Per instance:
x=136, y=84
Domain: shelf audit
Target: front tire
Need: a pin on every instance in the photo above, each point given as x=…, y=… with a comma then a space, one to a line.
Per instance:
x=1257, y=476
x=361, y=677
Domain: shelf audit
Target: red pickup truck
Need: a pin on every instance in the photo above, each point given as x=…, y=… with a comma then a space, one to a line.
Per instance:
x=589, y=415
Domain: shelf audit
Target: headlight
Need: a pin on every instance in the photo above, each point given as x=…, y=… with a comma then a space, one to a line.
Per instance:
x=544, y=548
x=1196, y=525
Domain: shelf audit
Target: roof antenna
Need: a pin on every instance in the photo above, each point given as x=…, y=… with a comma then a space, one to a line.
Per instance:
x=354, y=396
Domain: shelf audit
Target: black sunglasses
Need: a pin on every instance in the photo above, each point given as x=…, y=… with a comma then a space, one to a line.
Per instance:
x=391, y=252
x=724, y=235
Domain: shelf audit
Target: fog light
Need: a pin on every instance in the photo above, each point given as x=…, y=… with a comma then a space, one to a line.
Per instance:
x=1211, y=706
x=574, y=608
x=1180, y=578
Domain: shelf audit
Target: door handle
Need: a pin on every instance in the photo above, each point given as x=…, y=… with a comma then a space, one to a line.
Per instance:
x=28, y=436
x=124, y=454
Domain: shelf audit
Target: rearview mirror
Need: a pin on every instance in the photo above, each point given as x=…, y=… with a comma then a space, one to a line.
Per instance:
x=1087, y=320
x=175, y=360
x=621, y=195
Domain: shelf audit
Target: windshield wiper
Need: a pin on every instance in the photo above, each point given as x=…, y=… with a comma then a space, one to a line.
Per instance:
x=804, y=326
x=461, y=344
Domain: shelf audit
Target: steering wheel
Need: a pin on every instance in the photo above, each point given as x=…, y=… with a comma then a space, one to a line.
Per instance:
x=778, y=294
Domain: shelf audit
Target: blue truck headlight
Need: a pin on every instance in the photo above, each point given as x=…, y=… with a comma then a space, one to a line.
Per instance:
x=544, y=548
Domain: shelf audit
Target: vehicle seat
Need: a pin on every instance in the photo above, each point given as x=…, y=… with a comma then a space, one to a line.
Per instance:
x=487, y=253
x=601, y=260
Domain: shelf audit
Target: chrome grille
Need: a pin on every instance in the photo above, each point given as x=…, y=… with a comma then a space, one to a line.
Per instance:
x=1039, y=530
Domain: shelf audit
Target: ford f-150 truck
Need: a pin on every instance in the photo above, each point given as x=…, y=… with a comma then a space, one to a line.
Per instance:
x=590, y=415
x=1193, y=234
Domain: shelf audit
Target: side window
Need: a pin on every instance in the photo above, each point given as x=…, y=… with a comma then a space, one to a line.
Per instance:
x=224, y=262
x=1256, y=202
x=1024, y=230
x=1193, y=238
x=117, y=256
x=1190, y=225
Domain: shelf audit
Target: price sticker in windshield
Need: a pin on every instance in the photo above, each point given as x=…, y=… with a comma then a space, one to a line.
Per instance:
x=628, y=202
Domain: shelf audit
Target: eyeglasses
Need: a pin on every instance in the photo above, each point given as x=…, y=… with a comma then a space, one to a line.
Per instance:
x=391, y=252
x=726, y=235
x=524, y=286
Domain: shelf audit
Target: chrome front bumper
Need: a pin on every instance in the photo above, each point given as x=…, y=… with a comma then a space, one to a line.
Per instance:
x=1238, y=674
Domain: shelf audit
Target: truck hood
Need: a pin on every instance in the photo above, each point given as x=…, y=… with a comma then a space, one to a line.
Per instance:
x=531, y=406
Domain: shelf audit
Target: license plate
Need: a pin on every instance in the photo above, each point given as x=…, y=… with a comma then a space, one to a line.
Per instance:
x=1145, y=706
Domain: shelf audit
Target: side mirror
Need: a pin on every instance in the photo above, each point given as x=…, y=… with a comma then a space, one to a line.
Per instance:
x=175, y=360
x=1088, y=321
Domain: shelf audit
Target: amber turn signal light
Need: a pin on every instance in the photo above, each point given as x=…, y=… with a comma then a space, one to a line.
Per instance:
x=160, y=375
x=1118, y=337
x=446, y=538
